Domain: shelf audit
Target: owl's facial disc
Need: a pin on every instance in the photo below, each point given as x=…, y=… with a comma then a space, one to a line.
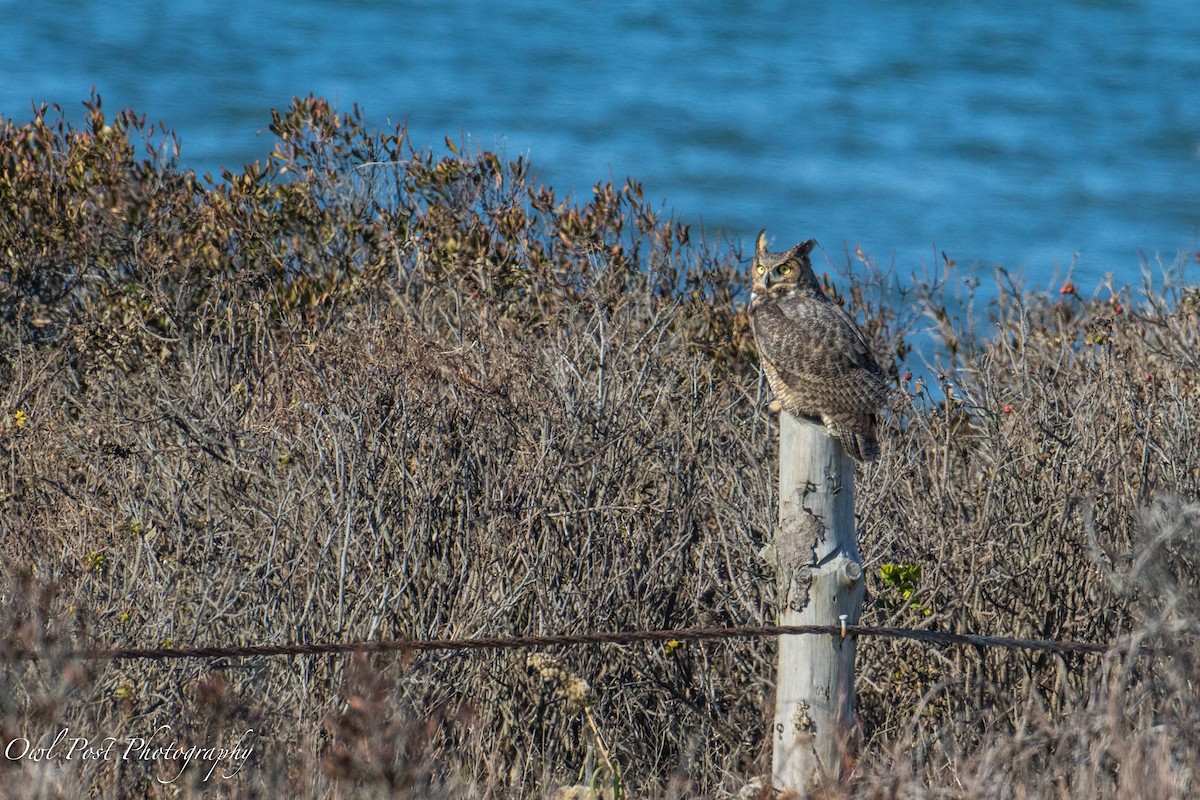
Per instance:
x=774, y=279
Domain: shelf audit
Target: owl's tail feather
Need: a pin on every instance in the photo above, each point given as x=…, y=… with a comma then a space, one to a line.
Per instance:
x=861, y=446
x=864, y=448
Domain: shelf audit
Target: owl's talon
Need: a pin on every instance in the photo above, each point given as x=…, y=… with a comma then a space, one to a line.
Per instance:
x=775, y=407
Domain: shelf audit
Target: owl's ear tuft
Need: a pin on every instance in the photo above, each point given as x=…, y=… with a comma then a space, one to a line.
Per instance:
x=760, y=246
x=802, y=249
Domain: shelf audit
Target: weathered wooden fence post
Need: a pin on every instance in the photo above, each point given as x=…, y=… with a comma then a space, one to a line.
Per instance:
x=820, y=578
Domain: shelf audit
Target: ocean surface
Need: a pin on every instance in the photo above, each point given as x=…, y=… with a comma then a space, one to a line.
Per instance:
x=1044, y=137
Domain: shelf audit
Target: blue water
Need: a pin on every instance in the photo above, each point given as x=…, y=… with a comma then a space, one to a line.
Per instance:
x=1031, y=135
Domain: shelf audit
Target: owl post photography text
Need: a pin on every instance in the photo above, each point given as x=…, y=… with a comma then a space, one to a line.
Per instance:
x=159, y=746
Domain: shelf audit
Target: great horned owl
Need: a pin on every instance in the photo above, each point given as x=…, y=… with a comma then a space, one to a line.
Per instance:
x=817, y=360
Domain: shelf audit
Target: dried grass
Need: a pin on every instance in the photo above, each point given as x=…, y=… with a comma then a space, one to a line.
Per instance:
x=426, y=398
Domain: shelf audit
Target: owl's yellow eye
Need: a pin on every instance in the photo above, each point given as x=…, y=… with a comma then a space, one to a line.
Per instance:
x=785, y=270
x=761, y=270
